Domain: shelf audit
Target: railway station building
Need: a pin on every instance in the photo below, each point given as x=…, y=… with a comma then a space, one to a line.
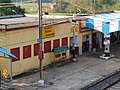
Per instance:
x=20, y=36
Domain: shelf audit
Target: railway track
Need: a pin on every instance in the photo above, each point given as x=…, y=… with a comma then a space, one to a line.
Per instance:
x=104, y=83
x=115, y=86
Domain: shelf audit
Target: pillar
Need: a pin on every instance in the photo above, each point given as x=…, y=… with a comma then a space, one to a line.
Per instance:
x=100, y=40
x=118, y=38
x=80, y=44
x=90, y=42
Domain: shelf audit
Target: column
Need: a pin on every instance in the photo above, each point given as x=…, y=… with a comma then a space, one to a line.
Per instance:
x=118, y=37
x=80, y=44
x=100, y=40
x=90, y=42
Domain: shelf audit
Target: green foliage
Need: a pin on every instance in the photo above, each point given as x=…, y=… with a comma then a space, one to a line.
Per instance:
x=106, y=2
x=63, y=6
x=75, y=9
x=88, y=5
x=12, y=10
x=5, y=1
x=58, y=11
x=30, y=8
x=84, y=6
x=83, y=10
x=117, y=6
x=105, y=5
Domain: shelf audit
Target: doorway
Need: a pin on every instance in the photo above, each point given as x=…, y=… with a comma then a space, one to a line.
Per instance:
x=76, y=45
x=85, y=43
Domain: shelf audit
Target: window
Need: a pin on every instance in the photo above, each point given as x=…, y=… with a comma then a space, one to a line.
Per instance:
x=16, y=52
x=56, y=43
x=47, y=46
x=36, y=49
x=64, y=41
x=26, y=51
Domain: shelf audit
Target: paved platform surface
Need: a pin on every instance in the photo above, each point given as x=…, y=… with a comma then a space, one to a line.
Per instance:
x=73, y=76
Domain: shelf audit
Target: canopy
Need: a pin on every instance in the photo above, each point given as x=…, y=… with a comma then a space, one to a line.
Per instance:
x=2, y=50
x=105, y=23
x=60, y=49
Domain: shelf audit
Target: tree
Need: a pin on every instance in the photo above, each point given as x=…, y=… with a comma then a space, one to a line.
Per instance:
x=10, y=9
x=105, y=5
x=82, y=6
x=117, y=6
x=61, y=4
x=106, y=2
x=5, y=1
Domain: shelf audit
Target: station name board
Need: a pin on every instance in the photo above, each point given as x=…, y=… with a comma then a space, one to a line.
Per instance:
x=48, y=31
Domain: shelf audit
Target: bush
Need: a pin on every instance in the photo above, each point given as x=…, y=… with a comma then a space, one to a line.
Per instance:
x=11, y=10
x=75, y=9
x=5, y=1
x=58, y=11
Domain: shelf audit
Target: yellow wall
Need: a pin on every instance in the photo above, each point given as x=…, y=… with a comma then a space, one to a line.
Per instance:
x=61, y=31
x=23, y=37
x=20, y=38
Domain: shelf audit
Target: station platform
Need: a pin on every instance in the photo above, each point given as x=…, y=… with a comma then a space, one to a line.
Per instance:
x=73, y=76
x=88, y=69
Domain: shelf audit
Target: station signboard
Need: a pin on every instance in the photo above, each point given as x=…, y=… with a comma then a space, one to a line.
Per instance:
x=48, y=31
